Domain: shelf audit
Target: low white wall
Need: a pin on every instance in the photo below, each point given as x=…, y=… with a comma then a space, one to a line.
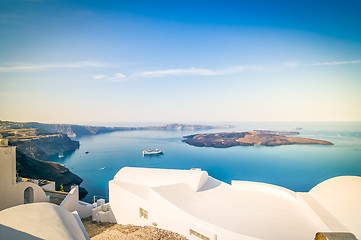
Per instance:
x=14, y=194
x=157, y=177
x=76, y=215
x=103, y=213
x=72, y=203
x=49, y=187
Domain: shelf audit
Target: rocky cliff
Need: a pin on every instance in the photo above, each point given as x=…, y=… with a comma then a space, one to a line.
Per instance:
x=36, y=169
x=70, y=129
x=39, y=144
x=265, y=138
x=83, y=130
x=34, y=147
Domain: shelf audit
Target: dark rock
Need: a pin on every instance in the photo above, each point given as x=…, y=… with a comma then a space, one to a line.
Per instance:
x=37, y=169
x=82, y=193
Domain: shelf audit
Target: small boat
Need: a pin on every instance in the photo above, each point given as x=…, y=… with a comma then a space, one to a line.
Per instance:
x=61, y=155
x=103, y=168
x=86, y=152
x=152, y=152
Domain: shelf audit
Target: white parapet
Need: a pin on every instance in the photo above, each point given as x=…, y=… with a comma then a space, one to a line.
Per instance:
x=72, y=203
x=103, y=213
x=100, y=202
x=50, y=186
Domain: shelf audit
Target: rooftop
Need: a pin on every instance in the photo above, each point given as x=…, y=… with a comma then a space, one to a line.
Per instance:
x=28, y=221
x=252, y=209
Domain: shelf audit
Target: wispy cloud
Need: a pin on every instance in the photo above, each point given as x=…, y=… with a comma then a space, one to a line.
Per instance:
x=198, y=71
x=177, y=72
x=213, y=72
x=231, y=70
x=336, y=63
x=19, y=67
x=117, y=77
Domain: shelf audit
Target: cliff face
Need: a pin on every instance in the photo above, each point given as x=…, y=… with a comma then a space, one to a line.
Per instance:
x=39, y=144
x=81, y=130
x=69, y=129
x=43, y=148
x=37, y=169
x=34, y=147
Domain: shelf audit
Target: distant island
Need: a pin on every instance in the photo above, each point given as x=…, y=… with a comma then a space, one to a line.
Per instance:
x=256, y=137
x=83, y=130
x=37, y=142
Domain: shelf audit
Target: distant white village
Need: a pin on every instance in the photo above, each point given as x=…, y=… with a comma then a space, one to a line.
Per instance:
x=188, y=202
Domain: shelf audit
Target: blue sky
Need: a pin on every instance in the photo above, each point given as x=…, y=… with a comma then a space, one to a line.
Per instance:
x=180, y=61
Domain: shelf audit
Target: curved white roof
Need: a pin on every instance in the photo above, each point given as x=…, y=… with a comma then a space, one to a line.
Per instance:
x=341, y=197
x=152, y=177
x=261, y=213
x=257, y=210
x=39, y=221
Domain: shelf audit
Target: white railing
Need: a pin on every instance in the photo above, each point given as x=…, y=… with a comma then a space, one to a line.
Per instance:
x=95, y=198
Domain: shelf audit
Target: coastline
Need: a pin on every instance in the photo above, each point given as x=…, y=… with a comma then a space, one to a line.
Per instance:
x=257, y=137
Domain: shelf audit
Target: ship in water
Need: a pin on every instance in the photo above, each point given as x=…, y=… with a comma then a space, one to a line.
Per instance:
x=152, y=152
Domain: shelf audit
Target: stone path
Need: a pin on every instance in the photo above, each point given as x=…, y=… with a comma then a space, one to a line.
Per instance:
x=99, y=231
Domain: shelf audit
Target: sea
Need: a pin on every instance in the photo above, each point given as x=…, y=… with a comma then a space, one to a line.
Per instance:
x=296, y=167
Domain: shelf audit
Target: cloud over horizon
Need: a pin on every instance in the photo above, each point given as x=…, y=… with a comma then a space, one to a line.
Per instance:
x=19, y=67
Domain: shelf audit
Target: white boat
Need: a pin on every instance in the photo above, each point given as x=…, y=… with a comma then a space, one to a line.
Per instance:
x=61, y=155
x=152, y=152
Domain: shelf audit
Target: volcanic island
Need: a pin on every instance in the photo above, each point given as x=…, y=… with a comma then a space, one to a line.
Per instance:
x=256, y=137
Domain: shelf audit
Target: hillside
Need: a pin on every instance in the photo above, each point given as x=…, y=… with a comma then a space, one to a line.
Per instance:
x=82, y=130
x=257, y=137
x=34, y=147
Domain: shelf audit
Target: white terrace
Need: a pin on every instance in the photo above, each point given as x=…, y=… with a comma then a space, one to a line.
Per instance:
x=198, y=206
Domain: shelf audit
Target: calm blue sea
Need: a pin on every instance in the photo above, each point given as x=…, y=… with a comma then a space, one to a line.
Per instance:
x=297, y=167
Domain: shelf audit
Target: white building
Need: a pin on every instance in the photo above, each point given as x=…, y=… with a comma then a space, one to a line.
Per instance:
x=24, y=209
x=198, y=206
x=12, y=192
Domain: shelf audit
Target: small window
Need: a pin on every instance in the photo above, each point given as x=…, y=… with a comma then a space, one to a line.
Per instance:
x=143, y=213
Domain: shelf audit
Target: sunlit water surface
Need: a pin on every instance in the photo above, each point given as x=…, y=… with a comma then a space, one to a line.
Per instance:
x=297, y=167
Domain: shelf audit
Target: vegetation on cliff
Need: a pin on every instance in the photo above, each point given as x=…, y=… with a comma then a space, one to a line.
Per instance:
x=257, y=137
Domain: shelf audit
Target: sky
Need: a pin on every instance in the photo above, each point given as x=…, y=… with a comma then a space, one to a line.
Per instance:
x=91, y=61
